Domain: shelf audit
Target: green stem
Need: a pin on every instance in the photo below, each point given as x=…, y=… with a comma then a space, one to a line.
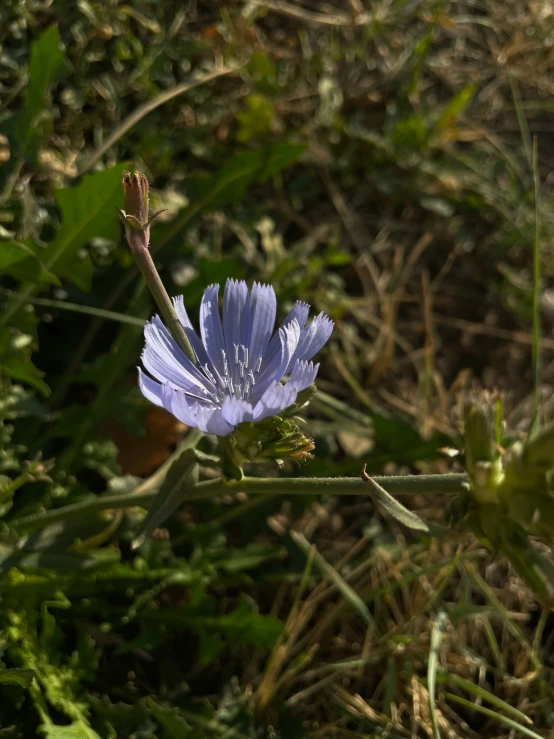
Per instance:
x=394, y=484
x=146, y=265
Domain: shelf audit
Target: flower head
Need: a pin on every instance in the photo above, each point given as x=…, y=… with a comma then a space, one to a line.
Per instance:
x=240, y=364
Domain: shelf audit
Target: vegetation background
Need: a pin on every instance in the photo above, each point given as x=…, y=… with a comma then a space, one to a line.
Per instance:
x=371, y=158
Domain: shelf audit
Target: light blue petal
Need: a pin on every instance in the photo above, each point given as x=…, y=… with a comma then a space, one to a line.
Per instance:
x=302, y=375
x=312, y=338
x=192, y=336
x=234, y=305
x=206, y=418
x=166, y=373
x=151, y=389
x=276, y=398
x=235, y=411
x=212, y=422
x=299, y=313
x=211, y=330
x=263, y=309
x=170, y=358
x=274, y=369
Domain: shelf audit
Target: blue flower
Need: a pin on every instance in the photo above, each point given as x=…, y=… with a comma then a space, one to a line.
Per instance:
x=239, y=364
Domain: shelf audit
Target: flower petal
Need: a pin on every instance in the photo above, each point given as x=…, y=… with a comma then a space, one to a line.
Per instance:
x=166, y=358
x=234, y=302
x=298, y=312
x=263, y=309
x=192, y=336
x=274, y=369
x=302, y=375
x=151, y=389
x=205, y=418
x=276, y=398
x=312, y=338
x=235, y=411
x=212, y=422
x=211, y=329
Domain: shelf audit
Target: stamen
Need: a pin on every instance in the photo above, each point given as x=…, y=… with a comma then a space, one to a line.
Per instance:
x=225, y=363
x=259, y=364
x=241, y=369
x=251, y=377
x=208, y=374
x=236, y=346
x=245, y=353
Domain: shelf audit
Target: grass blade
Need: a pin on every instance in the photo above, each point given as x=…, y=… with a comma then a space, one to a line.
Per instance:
x=436, y=640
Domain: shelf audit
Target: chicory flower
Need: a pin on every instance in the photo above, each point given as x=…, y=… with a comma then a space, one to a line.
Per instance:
x=240, y=364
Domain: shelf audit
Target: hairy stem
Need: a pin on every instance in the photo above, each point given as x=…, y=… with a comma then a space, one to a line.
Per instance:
x=394, y=484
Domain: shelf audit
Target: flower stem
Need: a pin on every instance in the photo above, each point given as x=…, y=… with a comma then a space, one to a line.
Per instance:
x=395, y=484
x=146, y=265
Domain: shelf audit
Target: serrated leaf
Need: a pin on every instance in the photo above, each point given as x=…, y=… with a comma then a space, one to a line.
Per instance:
x=181, y=478
x=88, y=211
x=20, y=677
x=174, y=727
x=246, y=625
x=399, y=512
x=47, y=65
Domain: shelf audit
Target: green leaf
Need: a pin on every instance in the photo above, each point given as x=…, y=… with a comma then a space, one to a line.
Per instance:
x=454, y=107
x=21, y=259
x=46, y=67
x=181, y=479
x=88, y=211
x=76, y=730
x=15, y=359
x=20, y=677
x=246, y=625
x=230, y=182
x=256, y=118
x=402, y=515
x=174, y=727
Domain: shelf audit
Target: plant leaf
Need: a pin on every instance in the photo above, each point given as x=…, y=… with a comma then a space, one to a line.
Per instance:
x=76, y=730
x=88, y=211
x=21, y=259
x=47, y=65
x=181, y=478
x=230, y=182
x=402, y=515
x=16, y=676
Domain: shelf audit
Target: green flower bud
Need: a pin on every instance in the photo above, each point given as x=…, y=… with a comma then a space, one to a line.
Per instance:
x=482, y=460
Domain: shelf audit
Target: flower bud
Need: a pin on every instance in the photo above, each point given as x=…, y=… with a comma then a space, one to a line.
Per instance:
x=482, y=460
x=135, y=217
x=135, y=194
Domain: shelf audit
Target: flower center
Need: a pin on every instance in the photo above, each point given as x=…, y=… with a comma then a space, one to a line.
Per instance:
x=238, y=378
